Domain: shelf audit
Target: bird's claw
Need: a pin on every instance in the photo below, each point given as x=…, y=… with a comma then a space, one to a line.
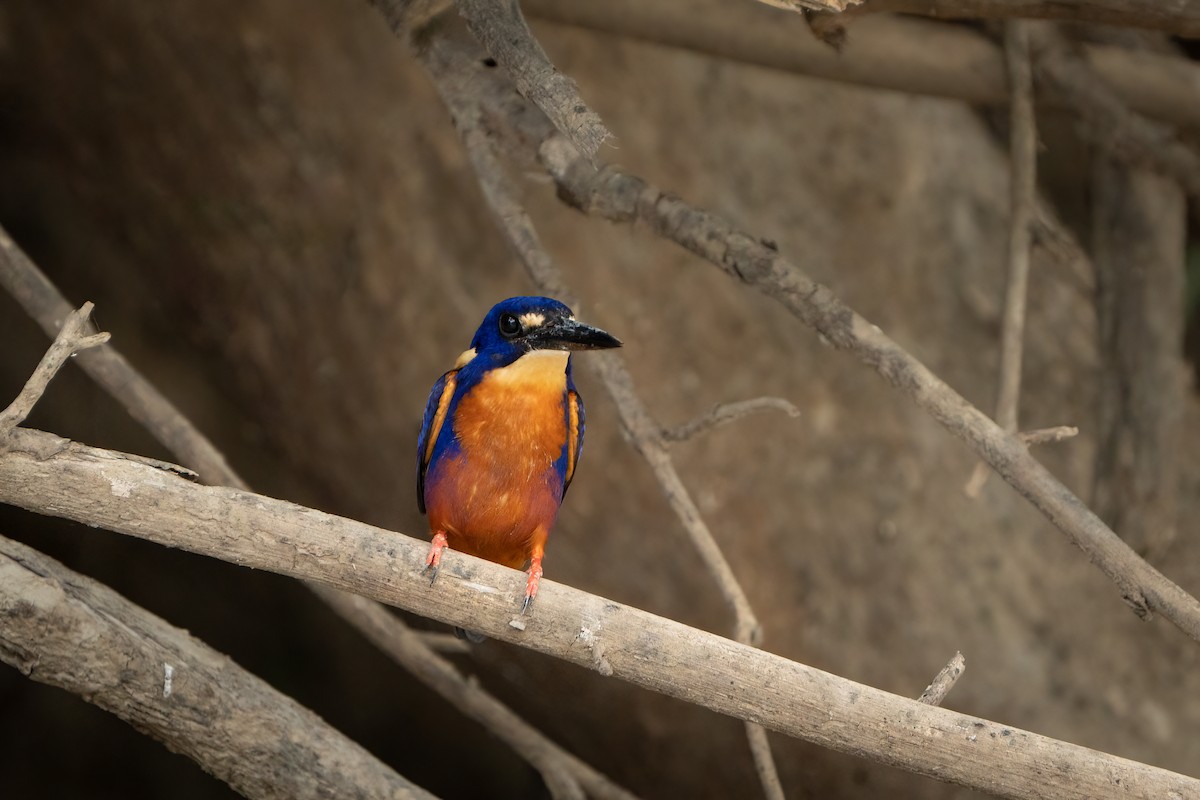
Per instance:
x=433, y=561
x=531, y=584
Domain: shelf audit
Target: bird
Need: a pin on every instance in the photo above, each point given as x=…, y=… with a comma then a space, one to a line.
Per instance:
x=501, y=437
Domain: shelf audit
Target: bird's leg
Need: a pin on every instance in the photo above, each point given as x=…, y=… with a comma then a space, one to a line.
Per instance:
x=534, y=572
x=433, y=561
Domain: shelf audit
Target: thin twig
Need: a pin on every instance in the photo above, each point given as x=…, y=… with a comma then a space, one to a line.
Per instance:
x=71, y=339
x=67, y=630
x=42, y=301
x=1023, y=197
x=724, y=413
x=1048, y=435
x=944, y=681
x=1022, y=177
x=612, y=194
x=49, y=475
x=642, y=430
x=500, y=28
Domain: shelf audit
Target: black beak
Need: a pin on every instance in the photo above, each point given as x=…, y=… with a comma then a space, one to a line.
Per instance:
x=567, y=334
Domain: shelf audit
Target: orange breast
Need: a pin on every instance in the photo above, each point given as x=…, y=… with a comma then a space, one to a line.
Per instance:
x=501, y=493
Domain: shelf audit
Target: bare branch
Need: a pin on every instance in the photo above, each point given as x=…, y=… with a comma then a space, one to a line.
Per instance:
x=49, y=475
x=1048, y=435
x=66, y=630
x=800, y=6
x=500, y=28
x=905, y=54
x=935, y=693
x=42, y=300
x=724, y=413
x=1139, y=227
x=1023, y=189
x=70, y=340
x=1181, y=18
x=613, y=194
x=1022, y=204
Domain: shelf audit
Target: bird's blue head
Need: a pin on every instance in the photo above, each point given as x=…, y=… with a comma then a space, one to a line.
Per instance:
x=519, y=325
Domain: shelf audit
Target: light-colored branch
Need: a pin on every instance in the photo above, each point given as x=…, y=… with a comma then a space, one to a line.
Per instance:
x=500, y=28
x=724, y=413
x=1053, y=435
x=71, y=339
x=944, y=681
x=1180, y=17
x=641, y=429
x=42, y=301
x=1022, y=176
x=66, y=630
x=800, y=6
x=49, y=475
x=613, y=194
x=1023, y=197
x=904, y=54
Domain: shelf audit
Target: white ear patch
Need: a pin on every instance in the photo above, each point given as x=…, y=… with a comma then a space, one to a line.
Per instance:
x=533, y=319
x=465, y=358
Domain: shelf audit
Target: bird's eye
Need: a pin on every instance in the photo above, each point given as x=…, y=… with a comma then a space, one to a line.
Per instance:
x=510, y=326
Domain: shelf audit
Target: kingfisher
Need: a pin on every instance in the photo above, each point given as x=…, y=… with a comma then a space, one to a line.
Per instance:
x=502, y=434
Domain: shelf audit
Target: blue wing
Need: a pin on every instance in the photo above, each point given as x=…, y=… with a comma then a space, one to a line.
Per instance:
x=435, y=417
x=575, y=429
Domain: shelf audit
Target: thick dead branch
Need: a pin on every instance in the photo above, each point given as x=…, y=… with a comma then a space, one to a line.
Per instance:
x=907, y=55
x=71, y=339
x=724, y=413
x=49, y=475
x=500, y=28
x=1110, y=120
x=935, y=693
x=1139, y=230
x=42, y=300
x=641, y=429
x=1181, y=18
x=66, y=630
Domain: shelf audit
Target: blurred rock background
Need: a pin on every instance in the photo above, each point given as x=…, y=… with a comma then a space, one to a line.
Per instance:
x=271, y=209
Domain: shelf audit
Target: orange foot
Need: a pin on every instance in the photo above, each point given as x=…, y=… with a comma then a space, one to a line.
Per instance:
x=531, y=583
x=433, y=561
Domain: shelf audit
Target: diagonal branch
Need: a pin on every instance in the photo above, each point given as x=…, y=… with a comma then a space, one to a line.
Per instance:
x=724, y=413
x=500, y=28
x=42, y=300
x=71, y=339
x=66, y=630
x=48, y=475
x=613, y=194
x=935, y=693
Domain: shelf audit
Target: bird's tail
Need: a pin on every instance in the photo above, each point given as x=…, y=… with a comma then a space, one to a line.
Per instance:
x=470, y=636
